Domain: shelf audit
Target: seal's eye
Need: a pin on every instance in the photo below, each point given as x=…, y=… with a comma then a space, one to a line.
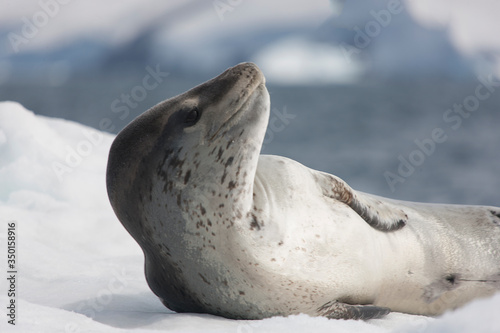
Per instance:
x=192, y=116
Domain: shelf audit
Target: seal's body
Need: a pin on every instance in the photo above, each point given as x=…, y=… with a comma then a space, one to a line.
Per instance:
x=233, y=233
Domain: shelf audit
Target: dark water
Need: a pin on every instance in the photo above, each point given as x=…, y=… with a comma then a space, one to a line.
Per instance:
x=361, y=133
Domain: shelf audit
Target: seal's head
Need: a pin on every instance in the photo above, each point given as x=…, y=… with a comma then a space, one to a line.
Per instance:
x=190, y=156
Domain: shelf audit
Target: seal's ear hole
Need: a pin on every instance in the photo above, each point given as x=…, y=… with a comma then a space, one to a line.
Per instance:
x=191, y=116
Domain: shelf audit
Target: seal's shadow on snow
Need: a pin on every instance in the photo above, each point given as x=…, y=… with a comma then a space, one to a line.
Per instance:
x=122, y=311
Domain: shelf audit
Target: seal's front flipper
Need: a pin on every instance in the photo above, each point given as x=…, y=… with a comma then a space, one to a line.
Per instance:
x=381, y=215
x=337, y=310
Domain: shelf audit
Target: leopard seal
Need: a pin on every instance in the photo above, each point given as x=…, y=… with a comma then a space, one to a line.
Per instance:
x=230, y=232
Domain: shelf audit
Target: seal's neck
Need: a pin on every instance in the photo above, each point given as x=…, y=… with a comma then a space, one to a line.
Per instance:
x=221, y=177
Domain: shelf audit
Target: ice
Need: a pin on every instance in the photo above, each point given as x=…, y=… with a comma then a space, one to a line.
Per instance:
x=299, y=61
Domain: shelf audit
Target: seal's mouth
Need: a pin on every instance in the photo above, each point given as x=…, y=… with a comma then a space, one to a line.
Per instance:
x=238, y=114
x=254, y=83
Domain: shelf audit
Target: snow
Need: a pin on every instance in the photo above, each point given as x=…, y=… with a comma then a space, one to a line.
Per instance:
x=80, y=271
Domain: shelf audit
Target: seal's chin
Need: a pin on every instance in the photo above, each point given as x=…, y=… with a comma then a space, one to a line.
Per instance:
x=254, y=108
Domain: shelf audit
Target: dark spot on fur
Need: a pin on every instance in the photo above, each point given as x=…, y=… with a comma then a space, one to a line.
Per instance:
x=187, y=176
x=242, y=292
x=400, y=224
x=280, y=243
x=223, y=177
x=204, y=279
x=451, y=279
x=179, y=199
x=229, y=161
x=175, y=162
x=169, y=185
x=496, y=218
x=202, y=209
x=219, y=154
x=254, y=224
x=221, y=205
x=231, y=185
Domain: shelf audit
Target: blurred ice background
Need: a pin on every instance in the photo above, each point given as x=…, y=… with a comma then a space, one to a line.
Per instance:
x=363, y=86
x=356, y=88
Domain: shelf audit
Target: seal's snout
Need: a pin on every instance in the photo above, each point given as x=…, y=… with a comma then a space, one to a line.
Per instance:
x=247, y=74
x=243, y=100
x=249, y=68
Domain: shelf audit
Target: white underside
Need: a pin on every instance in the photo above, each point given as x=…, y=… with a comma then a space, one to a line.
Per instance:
x=332, y=253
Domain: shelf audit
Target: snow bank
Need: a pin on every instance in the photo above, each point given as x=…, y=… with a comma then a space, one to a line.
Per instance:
x=79, y=270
